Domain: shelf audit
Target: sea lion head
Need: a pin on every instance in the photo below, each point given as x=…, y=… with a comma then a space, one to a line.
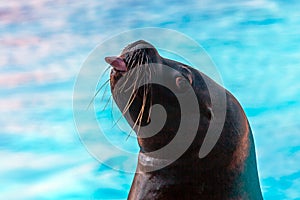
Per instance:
x=134, y=92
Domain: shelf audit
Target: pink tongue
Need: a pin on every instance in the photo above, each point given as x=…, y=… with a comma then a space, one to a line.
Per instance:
x=117, y=63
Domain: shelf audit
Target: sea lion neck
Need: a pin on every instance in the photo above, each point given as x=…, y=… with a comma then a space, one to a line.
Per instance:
x=183, y=180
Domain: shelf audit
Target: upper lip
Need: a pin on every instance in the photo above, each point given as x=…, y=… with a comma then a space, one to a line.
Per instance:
x=117, y=70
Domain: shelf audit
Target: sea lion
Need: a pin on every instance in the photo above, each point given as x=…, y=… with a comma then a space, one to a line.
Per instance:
x=229, y=171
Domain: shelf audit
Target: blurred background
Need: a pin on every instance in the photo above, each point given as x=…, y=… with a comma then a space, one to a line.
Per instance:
x=255, y=46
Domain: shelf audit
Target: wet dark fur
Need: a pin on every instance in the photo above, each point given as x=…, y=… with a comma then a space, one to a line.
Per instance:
x=228, y=172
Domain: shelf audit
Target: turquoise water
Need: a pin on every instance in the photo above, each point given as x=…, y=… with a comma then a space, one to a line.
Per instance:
x=254, y=44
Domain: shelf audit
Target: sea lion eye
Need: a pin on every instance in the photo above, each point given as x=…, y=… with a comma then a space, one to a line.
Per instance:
x=181, y=83
x=187, y=73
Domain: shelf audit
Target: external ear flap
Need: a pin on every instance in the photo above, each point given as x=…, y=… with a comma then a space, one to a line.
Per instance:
x=209, y=114
x=117, y=63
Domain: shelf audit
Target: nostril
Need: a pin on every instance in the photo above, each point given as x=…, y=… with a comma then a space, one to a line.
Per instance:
x=117, y=63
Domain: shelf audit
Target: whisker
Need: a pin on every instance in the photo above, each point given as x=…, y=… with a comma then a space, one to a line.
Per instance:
x=135, y=85
x=116, y=122
x=128, y=135
x=130, y=101
x=142, y=110
x=136, y=121
x=140, y=117
x=127, y=76
x=106, y=69
x=141, y=80
x=104, y=93
x=97, y=94
x=150, y=103
x=109, y=99
x=112, y=107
